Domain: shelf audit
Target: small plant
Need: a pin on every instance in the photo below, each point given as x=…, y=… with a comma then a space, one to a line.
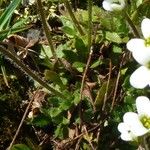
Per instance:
x=77, y=74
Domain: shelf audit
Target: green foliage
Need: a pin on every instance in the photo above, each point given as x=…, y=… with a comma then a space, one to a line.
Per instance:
x=113, y=37
x=20, y=147
x=6, y=17
x=41, y=120
x=62, y=129
x=83, y=119
x=54, y=77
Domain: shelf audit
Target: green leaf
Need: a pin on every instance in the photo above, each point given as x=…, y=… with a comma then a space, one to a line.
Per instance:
x=20, y=147
x=4, y=18
x=96, y=64
x=5, y=33
x=79, y=66
x=20, y=22
x=88, y=115
x=76, y=97
x=117, y=49
x=81, y=48
x=113, y=37
x=61, y=131
x=142, y=10
x=65, y=121
x=54, y=112
x=54, y=77
x=69, y=31
x=41, y=120
x=71, y=56
x=54, y=101
x=101, y=93
x=45, y=52
x=66, y=104
x=79, y=44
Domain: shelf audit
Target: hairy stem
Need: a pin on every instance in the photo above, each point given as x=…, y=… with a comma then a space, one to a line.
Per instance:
x=133, y=27
x=90, y=2
x=76, y=23
x=89, y=45
x=28, y=71
x=46, y=28
x=90, y=49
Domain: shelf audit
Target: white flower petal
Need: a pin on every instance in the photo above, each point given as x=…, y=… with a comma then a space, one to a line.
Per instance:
x=140, y=78
x=126, y=134
x=117, y=7
x=143, y=56
x=135, y=45
x=133, y=121
x=145, y=27
x=123, y=127
x=143, y=105
x=140, y=52
x=110, y=5
x=129, y=117
x=127, y=137
x=107, y=5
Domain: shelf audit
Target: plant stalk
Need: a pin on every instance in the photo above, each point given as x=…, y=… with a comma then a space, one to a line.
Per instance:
x=76, y=23
x=133, y=27
x=90, y=49
x=90, y=3
x=46, y=28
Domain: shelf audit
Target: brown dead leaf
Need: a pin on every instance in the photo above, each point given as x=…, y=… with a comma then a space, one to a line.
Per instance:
x=23, y=44
x=37, y=103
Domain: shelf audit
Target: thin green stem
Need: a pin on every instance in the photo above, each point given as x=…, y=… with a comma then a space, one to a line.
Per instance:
x=29, y=72
x=75, y=21
x=89, y=45
x=14, y=30
x=46, y=28
x=133, y=27
x=90, y=49
x=90, y=3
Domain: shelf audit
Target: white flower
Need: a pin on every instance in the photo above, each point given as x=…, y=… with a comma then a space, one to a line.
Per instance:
x=143, y=109
x=131, y=127
x=111, y=5
x=134, y=124
x=140, y=49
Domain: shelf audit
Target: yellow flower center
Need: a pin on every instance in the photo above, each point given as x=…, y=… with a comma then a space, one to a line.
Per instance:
x=145, y=121
x=148, y=65
x=147, y=42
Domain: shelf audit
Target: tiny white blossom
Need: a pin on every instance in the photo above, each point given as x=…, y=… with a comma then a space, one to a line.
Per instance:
x=140, y=49
x=131, y=127
x=111, y=5
x=143, y=109
x=136, y=124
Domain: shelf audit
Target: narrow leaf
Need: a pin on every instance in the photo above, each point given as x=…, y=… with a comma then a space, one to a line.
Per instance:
x=8, y=13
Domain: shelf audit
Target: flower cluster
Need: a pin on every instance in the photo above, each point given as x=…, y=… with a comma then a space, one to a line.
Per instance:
x=136, y=125
x=140, y=49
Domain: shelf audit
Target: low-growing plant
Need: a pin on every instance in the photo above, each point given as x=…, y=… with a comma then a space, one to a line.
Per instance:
x=82, y=79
